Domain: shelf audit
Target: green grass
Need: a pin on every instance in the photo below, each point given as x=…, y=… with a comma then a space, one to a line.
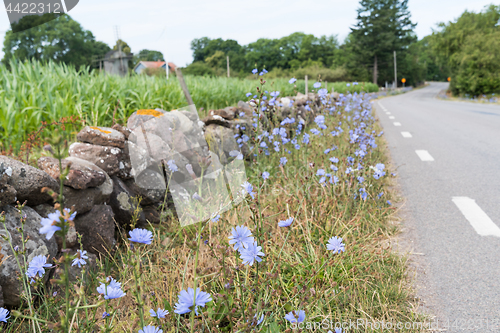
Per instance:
x=33, y=93
x=366, y=282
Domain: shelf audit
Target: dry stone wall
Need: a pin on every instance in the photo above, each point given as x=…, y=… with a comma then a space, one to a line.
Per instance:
x=102, y=184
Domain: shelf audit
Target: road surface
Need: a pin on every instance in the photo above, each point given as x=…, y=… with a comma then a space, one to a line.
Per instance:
x=447, y=156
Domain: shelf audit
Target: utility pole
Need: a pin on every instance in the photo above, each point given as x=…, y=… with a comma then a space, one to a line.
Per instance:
x=227, y=66
x=118, y=41
x=395, y=72
x=166, y=64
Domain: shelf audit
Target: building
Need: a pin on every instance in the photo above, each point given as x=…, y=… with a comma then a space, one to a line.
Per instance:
x=153, y=64
x=116, y=62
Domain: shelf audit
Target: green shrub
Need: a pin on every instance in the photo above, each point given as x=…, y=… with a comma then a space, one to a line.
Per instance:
x=479, y=65
x=198, y=68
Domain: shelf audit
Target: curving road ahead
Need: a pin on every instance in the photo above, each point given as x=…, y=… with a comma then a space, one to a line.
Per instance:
x=447, y=156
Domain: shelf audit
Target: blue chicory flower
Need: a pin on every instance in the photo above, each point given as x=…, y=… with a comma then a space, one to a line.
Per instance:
x=285, y=223
x=251, y=253
x=335, y=244
x=140, y=236
x=37, y=266
x=150, y=329
x=79, y=260
x=171, y=165
x=113, y=293
x=4, y=315
x=297, y=316
x=187, y=300
x=50, y=224
x=161, y=313
x=259, y=320
x=240, y=236
x=248, y=188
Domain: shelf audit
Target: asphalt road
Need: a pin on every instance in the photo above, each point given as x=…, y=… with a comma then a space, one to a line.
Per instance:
x=456, y=244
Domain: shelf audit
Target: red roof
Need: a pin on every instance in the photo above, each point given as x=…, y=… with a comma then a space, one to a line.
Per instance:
x=157, y=64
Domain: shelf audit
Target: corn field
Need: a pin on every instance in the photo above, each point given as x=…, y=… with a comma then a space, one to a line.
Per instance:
x=32, y=93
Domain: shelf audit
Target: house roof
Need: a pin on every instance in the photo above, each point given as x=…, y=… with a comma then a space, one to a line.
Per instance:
x=155, y=64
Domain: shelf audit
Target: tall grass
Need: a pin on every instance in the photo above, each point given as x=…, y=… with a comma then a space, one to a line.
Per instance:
x=365, y=283
x=32, y=93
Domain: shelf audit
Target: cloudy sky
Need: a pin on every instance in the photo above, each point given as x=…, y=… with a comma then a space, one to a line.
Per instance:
x=169, y=26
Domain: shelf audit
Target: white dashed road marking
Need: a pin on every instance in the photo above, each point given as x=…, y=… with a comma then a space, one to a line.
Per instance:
x=397, y=124
x=406, y=134
x=424, y=155
x=391, y=117
x=483, y=225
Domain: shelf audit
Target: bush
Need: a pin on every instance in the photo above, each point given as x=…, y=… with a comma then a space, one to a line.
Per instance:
x=479, y=65
x=198, y=68
x=327, y=74
x=156, y=72
x=313, y=73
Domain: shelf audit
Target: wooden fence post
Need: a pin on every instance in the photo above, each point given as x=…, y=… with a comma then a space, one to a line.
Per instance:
x=184, y=86
x=306, y=84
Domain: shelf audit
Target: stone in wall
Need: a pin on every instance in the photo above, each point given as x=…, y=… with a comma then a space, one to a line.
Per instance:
x=107, y=158
x=221, y=141
x=84, y=200
x=82, y=174
x=8, y=194
x=37, y=244
x=103, y=136
x=149, y=196
x=97, y=228
x=122, y=129
x=27, y=181
x=122, y=203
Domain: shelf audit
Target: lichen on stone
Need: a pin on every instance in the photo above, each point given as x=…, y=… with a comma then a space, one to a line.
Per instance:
x=100, y=130
x=149, y=112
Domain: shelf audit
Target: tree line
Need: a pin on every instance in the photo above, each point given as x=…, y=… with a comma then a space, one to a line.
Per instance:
x=367, y=54
x=62, y=39
x=466, y=50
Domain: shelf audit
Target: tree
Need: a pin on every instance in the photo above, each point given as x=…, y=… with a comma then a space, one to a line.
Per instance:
x=206, y=48
x=61, y=39
x=125, y=48
x=478, y=70
x=293, y=51
x=149, y=55
x=383, y=26
x=198, y=68
x=217, y=60
x=346, y=57
x=473, y=66
x=199, y=46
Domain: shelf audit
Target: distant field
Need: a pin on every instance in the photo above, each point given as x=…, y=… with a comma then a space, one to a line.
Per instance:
x=32, y=93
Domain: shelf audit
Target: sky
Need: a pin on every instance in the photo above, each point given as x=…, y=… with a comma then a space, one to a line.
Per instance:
x=169, y=26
